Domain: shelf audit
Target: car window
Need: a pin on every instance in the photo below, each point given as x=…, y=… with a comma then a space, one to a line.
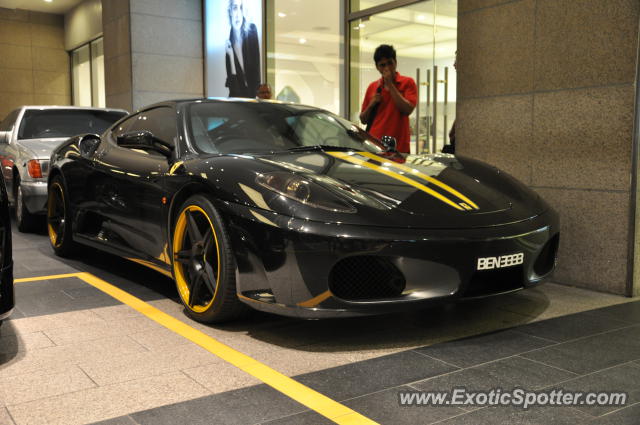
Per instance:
x=7, y=123
x=50, y=123
x=161, y=122
x=123, y=126
x=261, y=127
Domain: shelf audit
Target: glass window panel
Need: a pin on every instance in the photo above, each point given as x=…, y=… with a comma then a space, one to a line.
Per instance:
x=304, y=52
x=436, y=20
x=81, y=67
x=97, y=73
x=357, y=5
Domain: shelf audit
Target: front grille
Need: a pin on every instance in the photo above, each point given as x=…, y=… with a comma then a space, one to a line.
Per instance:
x=547, y=258
x=487, y=282
x=365, y=278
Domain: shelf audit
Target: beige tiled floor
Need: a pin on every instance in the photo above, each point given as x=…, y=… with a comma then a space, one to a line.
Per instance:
x=90, y=365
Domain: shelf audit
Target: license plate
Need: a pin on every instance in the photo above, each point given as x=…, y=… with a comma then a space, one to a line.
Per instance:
x=510, y=260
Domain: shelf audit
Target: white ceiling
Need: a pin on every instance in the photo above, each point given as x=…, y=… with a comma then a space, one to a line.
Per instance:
x=59, y=7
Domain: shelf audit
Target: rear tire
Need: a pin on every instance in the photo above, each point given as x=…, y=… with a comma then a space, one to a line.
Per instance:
x=204, y=264
x=25, y=221
x=59, y=219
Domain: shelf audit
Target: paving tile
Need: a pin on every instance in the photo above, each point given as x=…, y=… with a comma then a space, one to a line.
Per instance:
x=159, y=339
x=514, y=415
x=507, y=373
x=592, y=353
x=52, y=321
x=116, y=312
x=122, y=420
x=627, y=416
x=628, y=312
x=383, y=407
x=105, y=329
x=244, y=406
x=59, y=302
x=29, y=341
x=624, y=378
x=146, y=364
x=52, y=358
x=38, y=287
x=34, y=386
x=368, y=376
x=307, y=418
x=484, y=348
x=5, y=418
x=570, y=327
x=109, y=401
x=299, y=361
x=220, y=377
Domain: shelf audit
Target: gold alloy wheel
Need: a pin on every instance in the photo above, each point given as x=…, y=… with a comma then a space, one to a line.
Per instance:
x=56, y=215
x=196, y=259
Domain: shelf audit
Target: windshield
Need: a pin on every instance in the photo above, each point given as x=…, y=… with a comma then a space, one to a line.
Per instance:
x=50, y=123
x=226, y=128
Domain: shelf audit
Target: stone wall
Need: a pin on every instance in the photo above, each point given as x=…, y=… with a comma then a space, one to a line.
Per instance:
x=34, y=67
x=546, y=92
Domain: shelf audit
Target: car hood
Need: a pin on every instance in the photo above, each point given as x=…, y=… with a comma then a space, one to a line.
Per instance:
x=419, y=191
x=40, y=148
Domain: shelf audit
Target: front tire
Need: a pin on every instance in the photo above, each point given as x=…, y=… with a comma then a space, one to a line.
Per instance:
x=59, y=219
x=25, y=221
x=204, y=264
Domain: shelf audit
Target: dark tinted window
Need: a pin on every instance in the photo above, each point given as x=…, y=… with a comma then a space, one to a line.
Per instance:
x=65, y=122
x=264, y=127
x=161, y=122
x=123, y=127
x=7, y=123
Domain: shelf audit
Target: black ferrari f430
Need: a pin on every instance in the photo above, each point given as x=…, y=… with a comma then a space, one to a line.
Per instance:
x=293, y=210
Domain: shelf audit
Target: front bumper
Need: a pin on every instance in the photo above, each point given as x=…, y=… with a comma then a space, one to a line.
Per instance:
x=288, y=266
x=34, y=194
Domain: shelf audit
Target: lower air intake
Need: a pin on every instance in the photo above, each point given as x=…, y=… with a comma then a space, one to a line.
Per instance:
x=366, y=278
x=488, y=282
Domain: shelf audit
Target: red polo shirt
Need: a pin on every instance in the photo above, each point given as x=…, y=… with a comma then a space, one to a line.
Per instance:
x=389, y=121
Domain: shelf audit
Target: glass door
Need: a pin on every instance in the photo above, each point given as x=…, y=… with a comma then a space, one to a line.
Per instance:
x=424, y=34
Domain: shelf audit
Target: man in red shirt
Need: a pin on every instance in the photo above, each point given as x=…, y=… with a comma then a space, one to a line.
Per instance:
x=390, y=100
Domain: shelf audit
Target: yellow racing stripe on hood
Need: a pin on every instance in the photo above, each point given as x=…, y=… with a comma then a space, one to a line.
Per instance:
x=356, y=161
x=423, y=176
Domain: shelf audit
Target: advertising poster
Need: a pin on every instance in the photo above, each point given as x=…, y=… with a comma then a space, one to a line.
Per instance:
x=233, y=46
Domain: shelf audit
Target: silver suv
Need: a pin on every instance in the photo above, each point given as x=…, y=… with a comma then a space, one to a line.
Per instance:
x=27, y=137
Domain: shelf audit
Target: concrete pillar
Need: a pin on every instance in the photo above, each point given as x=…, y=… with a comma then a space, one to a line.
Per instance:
x=153, y=51
x=546, y=92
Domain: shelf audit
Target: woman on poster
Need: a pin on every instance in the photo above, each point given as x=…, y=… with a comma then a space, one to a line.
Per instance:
x=242, y=53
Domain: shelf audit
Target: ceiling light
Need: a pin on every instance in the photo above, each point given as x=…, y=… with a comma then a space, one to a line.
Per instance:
x=361, y=25
x=48, y=1
x=282, y=14
x=302, y=40
x=420, y=17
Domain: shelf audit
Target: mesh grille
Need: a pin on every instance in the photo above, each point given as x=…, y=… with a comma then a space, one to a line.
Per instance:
x=487, y=282
x=366, y=277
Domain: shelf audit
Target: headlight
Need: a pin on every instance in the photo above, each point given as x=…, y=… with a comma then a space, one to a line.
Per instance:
x=304, y=191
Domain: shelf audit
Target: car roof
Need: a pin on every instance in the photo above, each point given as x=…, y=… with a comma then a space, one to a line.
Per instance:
x=80, y=108
x=224, y=100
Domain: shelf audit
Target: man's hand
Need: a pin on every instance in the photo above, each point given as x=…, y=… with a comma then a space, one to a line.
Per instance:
x=388, y=77
x=377, y=98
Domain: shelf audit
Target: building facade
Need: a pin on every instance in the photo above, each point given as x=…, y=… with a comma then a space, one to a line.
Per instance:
x=544, y=89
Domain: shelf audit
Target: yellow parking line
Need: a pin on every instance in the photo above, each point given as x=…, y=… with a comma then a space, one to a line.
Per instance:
x=310, y=398
x=55, y=276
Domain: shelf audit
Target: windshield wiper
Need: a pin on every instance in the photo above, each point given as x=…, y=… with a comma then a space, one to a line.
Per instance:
x=320, y=148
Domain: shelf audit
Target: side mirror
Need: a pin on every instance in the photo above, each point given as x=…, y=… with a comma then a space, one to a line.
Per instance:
x=389, y=143
x=88, y=144
x=4, y=137
x=136, y=140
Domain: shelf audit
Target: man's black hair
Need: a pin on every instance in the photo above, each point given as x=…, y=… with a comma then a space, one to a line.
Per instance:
x=384, y=51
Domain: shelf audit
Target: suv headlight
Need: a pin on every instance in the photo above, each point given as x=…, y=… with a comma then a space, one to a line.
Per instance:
x=303, y=190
